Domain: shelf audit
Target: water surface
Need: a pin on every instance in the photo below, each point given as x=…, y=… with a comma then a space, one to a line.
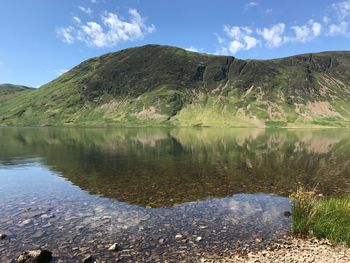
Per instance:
x=76, y=191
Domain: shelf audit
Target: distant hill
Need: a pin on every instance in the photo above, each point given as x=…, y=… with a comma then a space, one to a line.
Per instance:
x=10, y=88
x=163, y=85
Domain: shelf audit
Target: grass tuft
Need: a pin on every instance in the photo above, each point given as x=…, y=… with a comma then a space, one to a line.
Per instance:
x=321, y=217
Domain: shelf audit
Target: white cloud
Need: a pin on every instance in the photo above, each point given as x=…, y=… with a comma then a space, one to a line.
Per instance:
x=93, y=1
x=273, y=35
x=60, y=72
x=342, y=9
x=220, y=39
x=238, y=38
x=86, y=10
x=111, y=30
x=92, y=34
x=316, y=29
x=76, y=19
x=246, y=38
x=192, y=48
x=305, y=33
x=325, y=19
x=251, y=42
x=267, y=11
x=340, y=24
x=335, y=22
x=235, y=46
x=341, y=28
x=66, y=34
x=251, y=4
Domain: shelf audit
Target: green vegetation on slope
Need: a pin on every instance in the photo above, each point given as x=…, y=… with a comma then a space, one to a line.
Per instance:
x=162, y=85
x=323, y=218
x=10, y=88
x=6, y=90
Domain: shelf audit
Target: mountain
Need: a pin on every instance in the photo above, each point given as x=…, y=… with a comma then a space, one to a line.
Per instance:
x=163, y=85
x=8, y=90
x=11, y=88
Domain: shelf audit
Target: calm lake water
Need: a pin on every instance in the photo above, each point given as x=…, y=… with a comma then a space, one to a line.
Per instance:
x=77, y=191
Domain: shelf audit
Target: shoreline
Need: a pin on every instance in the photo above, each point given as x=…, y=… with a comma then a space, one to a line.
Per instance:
x=292, y=249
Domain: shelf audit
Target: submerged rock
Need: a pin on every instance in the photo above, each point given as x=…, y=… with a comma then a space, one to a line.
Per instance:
x=35, y=256
x=287, y=213
x=198, y=239
x=114, y=247
x=89, y=259
x=178, y=237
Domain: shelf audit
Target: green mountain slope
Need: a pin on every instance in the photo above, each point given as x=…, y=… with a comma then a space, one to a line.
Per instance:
x=162, y=85
x=8, y=89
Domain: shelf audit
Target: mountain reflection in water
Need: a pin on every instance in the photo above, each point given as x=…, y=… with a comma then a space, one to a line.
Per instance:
x=157, y=167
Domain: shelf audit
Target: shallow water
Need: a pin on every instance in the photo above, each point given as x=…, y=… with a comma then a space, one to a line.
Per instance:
x=77, y=191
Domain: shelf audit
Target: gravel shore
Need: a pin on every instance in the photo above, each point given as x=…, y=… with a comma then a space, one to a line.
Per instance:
x=294, y=250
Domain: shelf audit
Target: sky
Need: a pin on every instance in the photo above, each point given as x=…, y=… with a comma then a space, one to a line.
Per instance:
x=41, y=39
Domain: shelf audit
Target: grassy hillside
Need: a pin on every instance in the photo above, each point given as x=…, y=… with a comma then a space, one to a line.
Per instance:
x=9, y=89
x=162, y=85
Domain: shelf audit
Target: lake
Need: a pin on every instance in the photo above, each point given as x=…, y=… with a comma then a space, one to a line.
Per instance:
x=162, y=194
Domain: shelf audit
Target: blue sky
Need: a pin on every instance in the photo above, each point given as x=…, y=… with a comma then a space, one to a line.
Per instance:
x=40, y=39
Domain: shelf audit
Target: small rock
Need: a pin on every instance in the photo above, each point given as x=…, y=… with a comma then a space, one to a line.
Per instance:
x=26, y=222
x=198, y=239
x=287, y=213
x=114, y=247
x=47, y=216
x=33, y=214
x=2, y=236
x=161, y=241
x=35, y=256
x=178, y=237
x=89, y=259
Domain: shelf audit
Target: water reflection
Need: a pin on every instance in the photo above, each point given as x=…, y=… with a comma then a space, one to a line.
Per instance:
x=163, y=167
x=160, y=183
x=40, y=209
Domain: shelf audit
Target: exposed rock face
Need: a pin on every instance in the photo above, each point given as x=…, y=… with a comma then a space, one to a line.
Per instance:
x=35, y=256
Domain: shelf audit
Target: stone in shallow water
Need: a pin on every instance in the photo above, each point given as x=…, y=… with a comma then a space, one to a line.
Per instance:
x=26, y=222
x=35, y=256
x=2, y=236
x=89, y=259
x=287, y=213
x=178, y=237
x=198, y=239
x=114, y=247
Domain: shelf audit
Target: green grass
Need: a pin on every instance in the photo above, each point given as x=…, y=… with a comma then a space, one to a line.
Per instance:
x=161, y=86
x=325, y=217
